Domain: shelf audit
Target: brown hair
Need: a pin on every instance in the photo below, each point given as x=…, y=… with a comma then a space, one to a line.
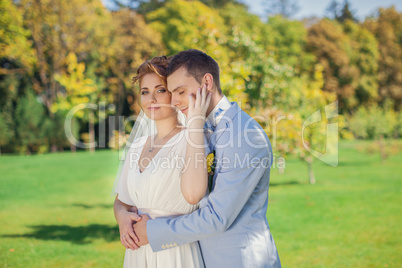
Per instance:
x=197, y=64
x=157, y=65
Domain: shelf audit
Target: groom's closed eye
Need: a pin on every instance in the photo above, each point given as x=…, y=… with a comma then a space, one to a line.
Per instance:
x=179, y=90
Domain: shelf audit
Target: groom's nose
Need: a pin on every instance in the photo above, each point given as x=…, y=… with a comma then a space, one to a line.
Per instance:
x=175, y=100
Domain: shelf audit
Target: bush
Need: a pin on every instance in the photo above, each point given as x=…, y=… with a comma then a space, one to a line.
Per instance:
x=372, y=122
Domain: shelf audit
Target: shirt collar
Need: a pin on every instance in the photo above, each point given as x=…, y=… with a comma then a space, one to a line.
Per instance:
x=217, y=113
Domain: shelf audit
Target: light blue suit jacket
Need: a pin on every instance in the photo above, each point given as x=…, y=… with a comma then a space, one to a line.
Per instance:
x=231, y=224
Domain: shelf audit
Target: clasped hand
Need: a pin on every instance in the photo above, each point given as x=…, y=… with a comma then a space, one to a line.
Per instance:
x=132, y=226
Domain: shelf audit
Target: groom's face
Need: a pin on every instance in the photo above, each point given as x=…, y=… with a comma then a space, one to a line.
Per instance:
x=181, y=85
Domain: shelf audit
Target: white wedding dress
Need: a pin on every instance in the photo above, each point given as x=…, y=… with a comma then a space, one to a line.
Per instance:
x=156, y=192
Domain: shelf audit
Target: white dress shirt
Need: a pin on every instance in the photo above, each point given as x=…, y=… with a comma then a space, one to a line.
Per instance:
x=216, y=115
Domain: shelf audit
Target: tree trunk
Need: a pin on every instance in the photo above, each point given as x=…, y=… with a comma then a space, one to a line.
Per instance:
x=54, y=148
x=119, y=104
x=91, y=132
x=383, y=154
x=281, y=165
x=311, y=176
x=0, y=150
x=72, y=148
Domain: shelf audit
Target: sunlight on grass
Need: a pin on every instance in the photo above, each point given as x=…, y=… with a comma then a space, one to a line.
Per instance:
x=56, y=210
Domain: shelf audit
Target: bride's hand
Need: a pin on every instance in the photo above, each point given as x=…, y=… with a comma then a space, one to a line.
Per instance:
x=198, y=107
x=127, y=236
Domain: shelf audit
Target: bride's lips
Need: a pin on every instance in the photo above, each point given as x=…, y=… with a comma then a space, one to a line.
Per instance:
x=153, y=108
x=184, y=110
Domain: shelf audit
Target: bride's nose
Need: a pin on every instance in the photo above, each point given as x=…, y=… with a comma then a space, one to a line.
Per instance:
x=153, y=99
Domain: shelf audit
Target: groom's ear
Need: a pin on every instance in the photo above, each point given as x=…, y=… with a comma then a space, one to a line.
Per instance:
x=208, y=80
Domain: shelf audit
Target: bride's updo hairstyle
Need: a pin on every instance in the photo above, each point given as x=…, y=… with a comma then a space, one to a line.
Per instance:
x=157, y=65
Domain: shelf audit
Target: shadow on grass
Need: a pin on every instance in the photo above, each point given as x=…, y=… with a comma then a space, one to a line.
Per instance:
x=74, y=234
x=86, y=206
x=355, y=163
x=284, y=183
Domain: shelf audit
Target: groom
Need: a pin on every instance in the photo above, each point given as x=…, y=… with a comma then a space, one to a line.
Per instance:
x=231, y=224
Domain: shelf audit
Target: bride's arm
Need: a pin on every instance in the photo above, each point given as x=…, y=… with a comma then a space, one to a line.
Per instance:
x=194, y=180
x=125, y=216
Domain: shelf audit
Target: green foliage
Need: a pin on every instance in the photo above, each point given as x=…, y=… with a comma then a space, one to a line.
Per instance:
x=6, y=132
x=133, y=41
x=372, y=122
x=181, y=31
x=288, y=43
x=349, y=55
x=54, y=132
x=29, y=120
x=279, y=68
x=80, y=89
x=365, y=57
x=398, y=129
x=14, y=43
x=386, y=27
x=247, y=52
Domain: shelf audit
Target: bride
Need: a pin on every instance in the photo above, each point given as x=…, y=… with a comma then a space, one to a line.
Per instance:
x=153, y=177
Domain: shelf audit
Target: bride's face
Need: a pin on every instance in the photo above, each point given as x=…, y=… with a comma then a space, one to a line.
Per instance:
x=155, y=98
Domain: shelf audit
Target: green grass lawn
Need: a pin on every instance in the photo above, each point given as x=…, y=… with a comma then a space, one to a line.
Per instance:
x=56, y=211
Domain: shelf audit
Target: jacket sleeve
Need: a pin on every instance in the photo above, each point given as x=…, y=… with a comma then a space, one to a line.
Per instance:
x=242, y=167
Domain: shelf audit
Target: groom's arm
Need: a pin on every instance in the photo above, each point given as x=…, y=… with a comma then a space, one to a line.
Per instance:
x=234, y=185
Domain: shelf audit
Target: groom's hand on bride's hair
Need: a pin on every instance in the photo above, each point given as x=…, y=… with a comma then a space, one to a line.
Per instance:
x=198, y=106
x=140, y=228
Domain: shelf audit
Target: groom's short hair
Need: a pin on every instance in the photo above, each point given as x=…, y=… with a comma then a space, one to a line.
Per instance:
x=197, y=64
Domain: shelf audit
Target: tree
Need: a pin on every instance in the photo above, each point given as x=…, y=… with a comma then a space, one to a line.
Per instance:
x=146, y=6
x=386, y=27
x=349, y=55
x=16, y=63
x=364, y=56
x=315, y=140
x=286, y=8
x=341, y=13
x=330, y=45
x=79, y=89
x=295, y=129
x=346, y=13
x=29, y=119
x=288, y=44
x=60, y=27
x=222, y=3
x=133, y=42
x=15, y=48
x=6, y=132
x=248, y=52
x=333, y=9
x=374, y=123
x=54, y=132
